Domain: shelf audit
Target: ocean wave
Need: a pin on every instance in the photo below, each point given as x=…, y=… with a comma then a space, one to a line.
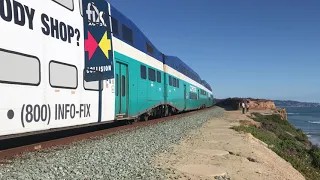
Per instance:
x=313, y=134
x=315, y=141
x=292, y=113
x=314, y=122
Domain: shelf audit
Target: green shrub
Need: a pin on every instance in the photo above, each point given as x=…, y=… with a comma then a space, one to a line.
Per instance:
x=272, y=118
x=264, y=135
x=315, y=154
x=300, y=131
x=301, y=136
x=286, y=137
x=271, y=126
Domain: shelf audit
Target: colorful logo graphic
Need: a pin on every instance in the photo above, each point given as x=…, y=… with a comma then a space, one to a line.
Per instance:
x=97, y=41
x=91, y=45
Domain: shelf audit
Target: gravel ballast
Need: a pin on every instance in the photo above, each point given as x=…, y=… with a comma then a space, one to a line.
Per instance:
x=124, y=155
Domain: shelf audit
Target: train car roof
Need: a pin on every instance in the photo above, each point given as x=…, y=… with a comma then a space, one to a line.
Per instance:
x=177, y=64
x=140, y=40
x=205, y=84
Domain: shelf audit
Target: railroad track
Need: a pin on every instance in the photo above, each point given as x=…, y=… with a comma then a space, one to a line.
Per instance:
x=7, y=154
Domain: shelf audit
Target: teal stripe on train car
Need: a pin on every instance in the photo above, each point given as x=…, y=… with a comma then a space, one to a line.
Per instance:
x=143, y=93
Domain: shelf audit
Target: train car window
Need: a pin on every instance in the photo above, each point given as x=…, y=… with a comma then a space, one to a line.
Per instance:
x=62, y=75
x=115, y=26
x=143, y=72
x=192, y=95
x=149, y=48
x=158, y=77
x=18, y=68
x=178, y=85
x=127, y=34
x=92, y=86
x=123, y=86
x=174, y=82
x=151, y=74
x=66, y=3
x=80, y=7
x=170, y=80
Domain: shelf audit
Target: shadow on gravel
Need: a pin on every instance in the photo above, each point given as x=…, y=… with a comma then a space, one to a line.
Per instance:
x=227, y=108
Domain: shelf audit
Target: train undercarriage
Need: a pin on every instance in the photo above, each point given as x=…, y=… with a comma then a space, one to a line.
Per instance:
x=159, y=112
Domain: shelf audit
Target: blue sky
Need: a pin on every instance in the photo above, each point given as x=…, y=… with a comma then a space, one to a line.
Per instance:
x=248, y=48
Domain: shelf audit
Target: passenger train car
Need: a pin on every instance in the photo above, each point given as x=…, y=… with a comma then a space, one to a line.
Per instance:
x=59, y=68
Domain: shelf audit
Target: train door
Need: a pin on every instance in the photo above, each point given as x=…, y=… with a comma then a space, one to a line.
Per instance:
x=198, y=95
x=165, y=87
x=185, y=96
x=198, y=102
x=121, y=89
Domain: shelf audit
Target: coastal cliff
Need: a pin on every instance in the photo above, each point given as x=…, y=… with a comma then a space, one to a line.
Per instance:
x=261, y=104
x=257, y=104
x=254, y=104
x=260, y=144
x=291, y=144
x=282, y=112
x=239, y=155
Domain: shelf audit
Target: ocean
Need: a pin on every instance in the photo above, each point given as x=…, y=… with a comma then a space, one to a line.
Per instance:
x=307, y=119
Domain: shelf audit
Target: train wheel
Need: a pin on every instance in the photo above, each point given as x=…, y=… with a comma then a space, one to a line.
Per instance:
x=146, y=117
x=129, y=122
x=136, y=120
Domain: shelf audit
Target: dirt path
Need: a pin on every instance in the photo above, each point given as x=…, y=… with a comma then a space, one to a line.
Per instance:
x=216, y=150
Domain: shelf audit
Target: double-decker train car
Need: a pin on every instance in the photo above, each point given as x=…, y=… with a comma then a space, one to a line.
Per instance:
x=66, y=63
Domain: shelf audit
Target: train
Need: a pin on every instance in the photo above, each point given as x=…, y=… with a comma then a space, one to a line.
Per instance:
x=68, y=63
